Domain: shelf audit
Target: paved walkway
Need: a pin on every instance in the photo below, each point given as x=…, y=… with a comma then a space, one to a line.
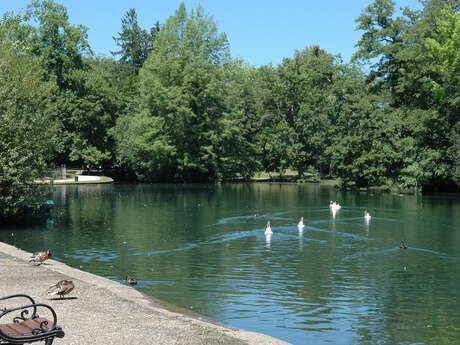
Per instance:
x=84, y=178
x=103, y=312
x=80, y=178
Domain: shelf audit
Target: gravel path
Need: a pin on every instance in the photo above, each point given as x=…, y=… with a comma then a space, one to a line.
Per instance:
x=101, y=311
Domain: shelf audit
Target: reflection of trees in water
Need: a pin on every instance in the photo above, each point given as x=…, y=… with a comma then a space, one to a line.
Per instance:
x=340, y=278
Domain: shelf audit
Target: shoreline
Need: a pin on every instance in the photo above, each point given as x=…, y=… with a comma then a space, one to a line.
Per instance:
x=109, y=312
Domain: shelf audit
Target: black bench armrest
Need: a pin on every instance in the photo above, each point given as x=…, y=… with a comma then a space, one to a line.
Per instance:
x=26, y=329
x=29, y=299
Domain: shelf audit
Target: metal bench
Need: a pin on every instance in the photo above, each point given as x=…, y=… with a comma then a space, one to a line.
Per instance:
x=22, y=328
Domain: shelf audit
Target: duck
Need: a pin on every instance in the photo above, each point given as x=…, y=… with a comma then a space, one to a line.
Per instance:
x=40, y=257
x=334, y=205
x=367, y=216
x=61, y=288
x=402, y=246
x=130, y=280
x=301, y=224
x=268, y=229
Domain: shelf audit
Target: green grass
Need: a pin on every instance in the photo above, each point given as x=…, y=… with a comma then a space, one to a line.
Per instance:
x=290, y=176
x=330, y=182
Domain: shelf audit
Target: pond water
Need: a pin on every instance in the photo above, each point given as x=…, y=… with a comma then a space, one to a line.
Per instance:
x=341, y=280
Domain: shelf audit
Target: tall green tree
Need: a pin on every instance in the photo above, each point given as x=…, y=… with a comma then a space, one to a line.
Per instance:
x=84, y=103
x=306, y=100
x=178, y=128
x=135, y=43
x=274, y=137
x=59, y=44
x=443, y=50
x=404, y=76
x=59, y=47
x=238, y=153
x=384, y=44
x=444, y=55
x=93, y=112
x=362, y=149
x=26, y=133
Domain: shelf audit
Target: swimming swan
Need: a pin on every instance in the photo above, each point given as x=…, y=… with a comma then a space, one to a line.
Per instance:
x=367, y=216
x=268, y=230
x=334, y=206
x=301, y=224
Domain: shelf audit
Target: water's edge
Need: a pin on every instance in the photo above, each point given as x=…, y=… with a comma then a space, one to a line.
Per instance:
x=135, y=296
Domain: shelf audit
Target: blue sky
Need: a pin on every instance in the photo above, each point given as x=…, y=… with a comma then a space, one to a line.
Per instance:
x=258, y=31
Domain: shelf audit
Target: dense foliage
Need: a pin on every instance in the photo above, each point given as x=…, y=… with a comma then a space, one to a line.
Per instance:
x=26, y=132
x=176, y=107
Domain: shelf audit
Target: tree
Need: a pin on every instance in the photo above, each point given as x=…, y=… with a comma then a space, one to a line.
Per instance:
x=178, y=127
x=135, y=43
x=394, y=56
x=26, y=133
x=274, y=138
x=430, y=5
x=444, y=54
x=405, y=75
x=84, y=104
x=238, y=153
x=93, y=113
x=59, y=45
x=305, y=99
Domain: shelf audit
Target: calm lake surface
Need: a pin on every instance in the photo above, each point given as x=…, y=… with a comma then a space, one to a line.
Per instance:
x=341, y=280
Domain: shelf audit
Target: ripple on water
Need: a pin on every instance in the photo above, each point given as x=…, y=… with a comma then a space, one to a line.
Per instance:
x=340, y=280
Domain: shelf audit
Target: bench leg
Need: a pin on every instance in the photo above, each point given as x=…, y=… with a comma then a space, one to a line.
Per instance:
x=49, y=341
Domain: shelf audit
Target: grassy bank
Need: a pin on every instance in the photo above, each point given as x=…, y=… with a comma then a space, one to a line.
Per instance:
x=288, y=176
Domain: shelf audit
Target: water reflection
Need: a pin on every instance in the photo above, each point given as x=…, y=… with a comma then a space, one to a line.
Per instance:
x=300, y=240
x=367, y=221
x=268, y=241
x=204, y=247
x=333, y=212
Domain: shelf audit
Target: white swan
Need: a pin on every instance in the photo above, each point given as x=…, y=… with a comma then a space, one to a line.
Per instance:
x=334, y=206
x=301, y=224
x=367, y=216
x=268, y=230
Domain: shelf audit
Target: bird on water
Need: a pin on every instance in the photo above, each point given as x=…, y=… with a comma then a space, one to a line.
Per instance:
x=367, y=216
x=334, y=205
x=130, y=280
x=268, y=229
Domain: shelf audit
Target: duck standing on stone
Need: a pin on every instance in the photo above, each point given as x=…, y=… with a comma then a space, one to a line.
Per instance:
x=61, y=288
x=40, y=257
